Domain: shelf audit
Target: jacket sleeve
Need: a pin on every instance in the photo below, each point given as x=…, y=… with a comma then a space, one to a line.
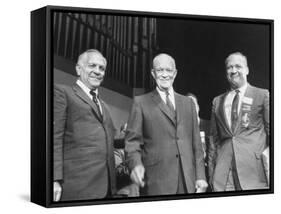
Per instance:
x=60, y=107
x=213, y=142
x=197, y=147
x=134, y=137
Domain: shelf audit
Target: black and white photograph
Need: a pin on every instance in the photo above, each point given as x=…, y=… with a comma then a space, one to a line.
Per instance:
x=140, y=106
x=153, y=106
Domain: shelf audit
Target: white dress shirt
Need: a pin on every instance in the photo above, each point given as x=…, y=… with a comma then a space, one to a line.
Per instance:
x=229, y=99
x=171, y=96
x=87, y=91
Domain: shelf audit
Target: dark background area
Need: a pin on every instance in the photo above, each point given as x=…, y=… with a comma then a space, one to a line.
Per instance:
x=200, y=47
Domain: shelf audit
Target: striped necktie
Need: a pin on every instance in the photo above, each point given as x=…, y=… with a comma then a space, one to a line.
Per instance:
x=169, y=103
x=95, y=100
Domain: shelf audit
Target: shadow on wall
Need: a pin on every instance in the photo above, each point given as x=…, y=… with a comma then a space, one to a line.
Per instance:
x=119, y=104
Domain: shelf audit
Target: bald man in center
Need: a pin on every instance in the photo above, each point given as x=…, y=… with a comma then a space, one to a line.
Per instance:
x=162, y=142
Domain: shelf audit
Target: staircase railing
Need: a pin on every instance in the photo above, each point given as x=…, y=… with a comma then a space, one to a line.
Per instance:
x=127, y=42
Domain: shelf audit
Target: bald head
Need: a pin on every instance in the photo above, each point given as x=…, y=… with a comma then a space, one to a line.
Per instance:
x=160, y=58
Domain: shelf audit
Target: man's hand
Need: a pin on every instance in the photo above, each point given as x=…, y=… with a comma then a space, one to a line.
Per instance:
x=137, y=175
x=201, y=186
x=57, y=191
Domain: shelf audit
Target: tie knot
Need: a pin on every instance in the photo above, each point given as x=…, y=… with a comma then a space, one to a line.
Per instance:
x=93, y=93
x=237, y=91
x=167, y=93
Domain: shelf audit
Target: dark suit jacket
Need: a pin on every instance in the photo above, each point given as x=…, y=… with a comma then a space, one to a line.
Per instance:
x=247, y=142
x=83, y=145
x=155, y=139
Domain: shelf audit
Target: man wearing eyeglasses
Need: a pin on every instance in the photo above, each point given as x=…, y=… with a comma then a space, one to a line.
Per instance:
x=83, y=135
x=162, y=141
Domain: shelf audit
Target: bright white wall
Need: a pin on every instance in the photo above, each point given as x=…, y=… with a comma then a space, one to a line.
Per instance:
x=15, y=106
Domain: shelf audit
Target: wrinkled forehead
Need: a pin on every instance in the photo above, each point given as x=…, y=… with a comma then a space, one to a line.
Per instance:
x=92, y=58
x=164, y=61
x=236, y=59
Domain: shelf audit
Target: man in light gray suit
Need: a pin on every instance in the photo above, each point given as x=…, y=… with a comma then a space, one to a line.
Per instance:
x=239, y=132
x=162, y=141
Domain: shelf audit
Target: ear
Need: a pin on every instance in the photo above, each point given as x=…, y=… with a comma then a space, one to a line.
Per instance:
x=78, y=69
x=176, y=72
x=247, y=71
x=153, y=73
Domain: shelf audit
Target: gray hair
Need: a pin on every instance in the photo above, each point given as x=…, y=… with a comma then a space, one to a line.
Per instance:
x=85, y=53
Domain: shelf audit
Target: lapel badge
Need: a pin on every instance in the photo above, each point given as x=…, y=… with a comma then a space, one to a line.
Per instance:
x=247, y=100
x=245, y=120
x=246, y=109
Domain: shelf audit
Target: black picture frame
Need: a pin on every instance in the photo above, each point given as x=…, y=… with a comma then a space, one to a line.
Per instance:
x=42, y=82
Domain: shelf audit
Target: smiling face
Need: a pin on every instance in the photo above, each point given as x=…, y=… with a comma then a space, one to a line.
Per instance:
x=91, y=69
x=164, y=71
x=236, y=70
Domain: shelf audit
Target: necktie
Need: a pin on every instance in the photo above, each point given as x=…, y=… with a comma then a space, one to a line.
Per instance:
x=169, y=103
x=234, y=110
x=96, y=102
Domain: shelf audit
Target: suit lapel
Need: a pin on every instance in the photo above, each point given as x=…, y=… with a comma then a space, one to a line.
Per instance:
x=82, y=95
x=222, y=114
x=160, y=104
x=104, y=111
x=248, y=93
x=179, y=107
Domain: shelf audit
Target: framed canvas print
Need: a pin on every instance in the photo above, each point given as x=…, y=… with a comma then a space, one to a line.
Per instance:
x=141, y=106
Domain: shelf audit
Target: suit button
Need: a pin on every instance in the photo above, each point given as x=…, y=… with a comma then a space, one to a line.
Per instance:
x=177, y=156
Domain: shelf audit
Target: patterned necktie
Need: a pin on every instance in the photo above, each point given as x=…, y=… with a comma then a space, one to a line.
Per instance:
x=169, y=103
x=234, y=110
x=93, y=93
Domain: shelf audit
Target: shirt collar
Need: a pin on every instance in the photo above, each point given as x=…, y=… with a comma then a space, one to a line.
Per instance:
x=242, y=89
x=163, y=93
x=85, y=88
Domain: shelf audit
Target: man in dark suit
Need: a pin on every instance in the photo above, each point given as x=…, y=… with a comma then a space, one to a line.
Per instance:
x=83, y=135
x=162, y=141
x=239, y=132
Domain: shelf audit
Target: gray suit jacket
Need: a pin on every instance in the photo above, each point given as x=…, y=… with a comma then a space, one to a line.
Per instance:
x=158, y=141
x=247, y=142
x=83, y=145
